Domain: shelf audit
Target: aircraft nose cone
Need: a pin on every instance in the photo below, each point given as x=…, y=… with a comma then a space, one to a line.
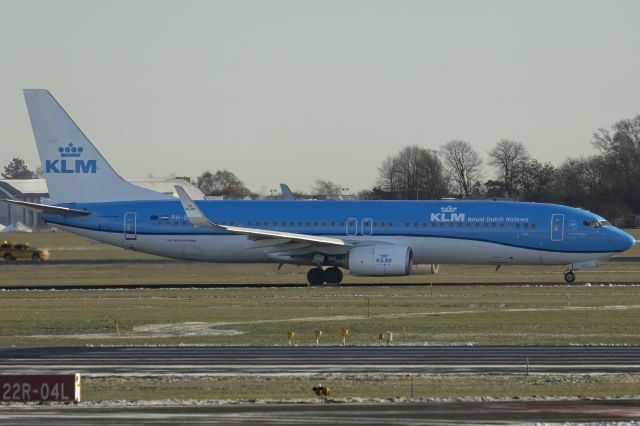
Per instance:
x=626, y=241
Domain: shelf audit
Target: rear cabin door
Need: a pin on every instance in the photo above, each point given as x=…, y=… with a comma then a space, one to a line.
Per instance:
x=352, y=226
x=367, y=226
x=557, y=227
x=130, y=226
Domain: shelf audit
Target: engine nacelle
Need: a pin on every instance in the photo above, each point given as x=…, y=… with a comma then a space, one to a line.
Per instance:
x=381, y=260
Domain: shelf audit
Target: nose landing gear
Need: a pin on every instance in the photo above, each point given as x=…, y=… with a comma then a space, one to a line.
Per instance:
x=319, y=276
x=569, y=277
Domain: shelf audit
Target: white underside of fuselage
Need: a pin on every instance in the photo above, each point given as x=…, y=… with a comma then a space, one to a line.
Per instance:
x=431, y=250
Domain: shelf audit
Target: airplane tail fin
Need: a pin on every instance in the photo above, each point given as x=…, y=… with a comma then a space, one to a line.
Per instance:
x=74, y=169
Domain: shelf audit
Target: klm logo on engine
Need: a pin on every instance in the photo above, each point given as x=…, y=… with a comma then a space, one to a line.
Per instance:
x=70, y=162
x=384, y=259
x=447, y=214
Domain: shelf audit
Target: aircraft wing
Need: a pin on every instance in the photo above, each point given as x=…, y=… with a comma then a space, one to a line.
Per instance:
x=197, y=218
x=44, y=208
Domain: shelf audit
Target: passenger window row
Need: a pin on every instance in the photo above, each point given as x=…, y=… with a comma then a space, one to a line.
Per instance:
x=378, y=225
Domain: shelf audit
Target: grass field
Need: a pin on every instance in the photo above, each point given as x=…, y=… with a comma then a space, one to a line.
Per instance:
x=417, y=315
x=345, y=387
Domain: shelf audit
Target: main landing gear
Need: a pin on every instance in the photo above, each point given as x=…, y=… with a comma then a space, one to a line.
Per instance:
x=319, y=276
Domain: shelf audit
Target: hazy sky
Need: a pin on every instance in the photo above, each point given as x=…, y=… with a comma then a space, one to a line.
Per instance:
x=292, y=91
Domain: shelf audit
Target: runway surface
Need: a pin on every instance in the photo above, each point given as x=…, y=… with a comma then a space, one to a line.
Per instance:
x=269, y=360
x=418, y=413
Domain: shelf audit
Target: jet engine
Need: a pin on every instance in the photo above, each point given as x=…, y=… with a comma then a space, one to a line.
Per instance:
x=381, y=260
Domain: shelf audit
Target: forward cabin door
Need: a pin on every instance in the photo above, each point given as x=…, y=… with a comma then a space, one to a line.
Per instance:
x=130, y=226
x=557, y=227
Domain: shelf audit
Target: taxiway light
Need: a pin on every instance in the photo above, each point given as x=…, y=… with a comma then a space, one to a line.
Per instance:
x=345, y=333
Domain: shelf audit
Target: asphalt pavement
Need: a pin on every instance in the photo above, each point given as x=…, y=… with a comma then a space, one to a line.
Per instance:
x=219, y=360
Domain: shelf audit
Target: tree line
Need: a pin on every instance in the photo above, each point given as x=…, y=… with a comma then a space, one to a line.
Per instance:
x=605, y=183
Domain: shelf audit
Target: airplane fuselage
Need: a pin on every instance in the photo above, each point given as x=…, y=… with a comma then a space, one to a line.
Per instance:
x=473, y=232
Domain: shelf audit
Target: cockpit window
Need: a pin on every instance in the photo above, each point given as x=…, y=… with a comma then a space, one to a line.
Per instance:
x=595, y=223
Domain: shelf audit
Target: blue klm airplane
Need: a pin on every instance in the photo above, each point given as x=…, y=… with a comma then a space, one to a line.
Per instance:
x=369, y=238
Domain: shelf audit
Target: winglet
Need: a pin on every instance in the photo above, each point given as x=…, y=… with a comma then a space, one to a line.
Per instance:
x=194, y=214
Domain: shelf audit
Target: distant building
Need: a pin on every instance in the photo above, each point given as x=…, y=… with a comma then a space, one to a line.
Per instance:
x=31, y=190
x=34, y=190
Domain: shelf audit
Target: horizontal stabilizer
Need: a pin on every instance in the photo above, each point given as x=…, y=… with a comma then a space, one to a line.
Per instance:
x=44, y=208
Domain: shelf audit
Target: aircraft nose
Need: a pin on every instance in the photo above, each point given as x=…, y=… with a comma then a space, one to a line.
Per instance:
x=625, y=240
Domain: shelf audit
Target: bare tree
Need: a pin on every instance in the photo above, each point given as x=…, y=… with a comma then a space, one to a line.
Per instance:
x=414, y=173
x=508, y=157
x=326, y=188
x=535, y=181
x=621, y=154
x=463, y=165
x=222, y=182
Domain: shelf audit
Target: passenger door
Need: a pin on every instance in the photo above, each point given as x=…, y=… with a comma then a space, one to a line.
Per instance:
x=352, y=226
x=130, y=226
x=557, y=227
x=367, y=226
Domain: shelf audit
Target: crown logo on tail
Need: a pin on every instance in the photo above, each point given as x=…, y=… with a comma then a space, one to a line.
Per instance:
x=70, y=150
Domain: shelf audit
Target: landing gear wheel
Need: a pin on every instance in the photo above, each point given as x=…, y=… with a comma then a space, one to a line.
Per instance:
x=333, y=275
x=569, y=277
x=315, y=276
x=8, y=257
x=35, y=257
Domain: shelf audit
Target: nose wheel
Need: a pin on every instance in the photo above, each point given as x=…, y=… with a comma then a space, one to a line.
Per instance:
x=569, y=277
x=319, y=276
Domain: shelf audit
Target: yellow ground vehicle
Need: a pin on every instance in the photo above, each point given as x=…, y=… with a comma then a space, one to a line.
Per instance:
x=10, y=251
